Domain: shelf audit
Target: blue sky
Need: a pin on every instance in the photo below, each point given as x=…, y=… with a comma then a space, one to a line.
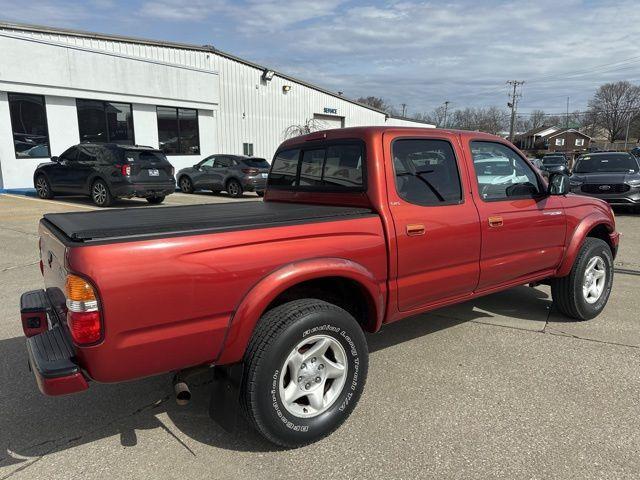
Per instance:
x=413, y=52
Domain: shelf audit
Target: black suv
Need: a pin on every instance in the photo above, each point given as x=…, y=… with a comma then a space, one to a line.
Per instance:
x=233, y=173
x=106, y=171
x=611, y=176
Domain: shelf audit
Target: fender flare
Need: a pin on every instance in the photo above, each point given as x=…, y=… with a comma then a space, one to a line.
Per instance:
x=577, y=239
x=247, y=314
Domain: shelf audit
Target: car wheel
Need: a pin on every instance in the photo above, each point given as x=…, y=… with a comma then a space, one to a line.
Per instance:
x=43, y=187
x=100, y=194
x=234, y=189
x=583, y=294
x=158, y=199
x=186, y=185
x=260, y=194
x=304, y=372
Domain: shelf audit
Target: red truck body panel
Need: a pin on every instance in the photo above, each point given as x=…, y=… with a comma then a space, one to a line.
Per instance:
x=179, y=301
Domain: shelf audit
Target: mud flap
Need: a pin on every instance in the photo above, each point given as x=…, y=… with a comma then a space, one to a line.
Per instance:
x=224, y=406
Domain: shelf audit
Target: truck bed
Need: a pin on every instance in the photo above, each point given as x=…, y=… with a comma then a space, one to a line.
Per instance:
x=129, y=223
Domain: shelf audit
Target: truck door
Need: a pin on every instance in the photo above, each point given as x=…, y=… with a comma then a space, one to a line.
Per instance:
x=435, y=220
x=523, y=228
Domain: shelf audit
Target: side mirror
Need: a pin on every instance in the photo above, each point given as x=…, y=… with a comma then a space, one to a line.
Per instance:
x=55, y=159
x=558, y=184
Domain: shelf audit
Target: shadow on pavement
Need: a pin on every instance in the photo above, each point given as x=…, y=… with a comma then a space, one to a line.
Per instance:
x=32, y=425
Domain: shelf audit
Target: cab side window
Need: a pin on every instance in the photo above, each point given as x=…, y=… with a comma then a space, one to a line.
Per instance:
x=208, y=162
x=502, y=174
x=222, y=162
x=69, y=155
x=426, y=172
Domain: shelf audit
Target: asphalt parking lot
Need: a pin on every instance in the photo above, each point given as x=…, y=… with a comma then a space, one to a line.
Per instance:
x=501, y=387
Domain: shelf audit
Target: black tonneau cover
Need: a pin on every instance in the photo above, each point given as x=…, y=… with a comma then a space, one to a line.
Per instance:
x=125, y=223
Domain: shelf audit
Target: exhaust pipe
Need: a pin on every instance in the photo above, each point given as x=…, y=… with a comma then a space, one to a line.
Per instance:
x=180, y=387
x=181, y=390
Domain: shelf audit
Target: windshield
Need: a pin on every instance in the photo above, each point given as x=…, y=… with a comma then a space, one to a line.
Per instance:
x=614, y=162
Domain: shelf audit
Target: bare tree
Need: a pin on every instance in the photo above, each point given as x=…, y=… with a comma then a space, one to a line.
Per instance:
x=488, y=119
x=613, y=105
x=536, y=119
x=376, y=102
x=310, y=125
x=436, y=116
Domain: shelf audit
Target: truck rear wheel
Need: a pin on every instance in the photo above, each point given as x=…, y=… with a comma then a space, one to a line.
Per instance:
x=305, y=369
x=583, y=294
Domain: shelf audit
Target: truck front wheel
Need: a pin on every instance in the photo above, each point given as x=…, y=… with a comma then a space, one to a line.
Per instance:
x=305, y=369
x=583, y=294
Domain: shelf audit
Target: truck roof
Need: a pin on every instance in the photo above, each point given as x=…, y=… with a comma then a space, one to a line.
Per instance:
x=368, y=132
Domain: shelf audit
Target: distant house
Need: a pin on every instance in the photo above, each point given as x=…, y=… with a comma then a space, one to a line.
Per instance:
x=568, y=140
x=535, y=139
x=553, y=139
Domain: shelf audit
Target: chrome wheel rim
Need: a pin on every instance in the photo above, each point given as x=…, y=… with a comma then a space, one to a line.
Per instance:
x=41, y=187
x=233, y=189
x=99, y=193
x=595, y=276
x=184, y=185
x=313, y=376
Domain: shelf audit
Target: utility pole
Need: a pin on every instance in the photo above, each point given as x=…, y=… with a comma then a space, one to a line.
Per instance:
x=513, y=104
x=404, y=108
x=566, y=123
x=446, y=107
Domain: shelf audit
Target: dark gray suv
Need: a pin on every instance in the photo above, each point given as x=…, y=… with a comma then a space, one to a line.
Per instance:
x=234, y=174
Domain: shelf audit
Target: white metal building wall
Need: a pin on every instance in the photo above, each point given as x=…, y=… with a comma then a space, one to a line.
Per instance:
x=247, y=109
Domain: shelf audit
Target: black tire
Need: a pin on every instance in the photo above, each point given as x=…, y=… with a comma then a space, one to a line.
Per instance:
x=277, y=335
x=567, y=292
x=43, y=187
x=234, y=188
x=158, y=199
x=100, y=193
x=185, y=184
x=260, y=194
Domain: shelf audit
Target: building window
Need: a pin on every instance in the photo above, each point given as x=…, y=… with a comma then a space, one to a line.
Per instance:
x=100, y=121
x=559, y=142
x=29, y=125
x=579, y=142
x=178, y=131
x=247, y=149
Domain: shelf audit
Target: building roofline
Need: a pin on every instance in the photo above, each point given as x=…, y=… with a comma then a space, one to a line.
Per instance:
x=407, y=119
x=566, y=130
x=185, y=46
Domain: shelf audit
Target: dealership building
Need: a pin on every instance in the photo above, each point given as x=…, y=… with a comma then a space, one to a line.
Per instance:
x=62, y=87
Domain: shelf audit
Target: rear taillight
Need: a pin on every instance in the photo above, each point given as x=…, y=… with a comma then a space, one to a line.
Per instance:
x=173, y=171
x=83, y=316
x=250, y=171
x=125, y=170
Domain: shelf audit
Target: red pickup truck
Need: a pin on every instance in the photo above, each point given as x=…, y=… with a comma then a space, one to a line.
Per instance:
x=359, y=227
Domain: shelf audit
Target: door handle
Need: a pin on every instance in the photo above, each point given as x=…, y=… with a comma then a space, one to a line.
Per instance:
x=496, y=221
x=415, y=229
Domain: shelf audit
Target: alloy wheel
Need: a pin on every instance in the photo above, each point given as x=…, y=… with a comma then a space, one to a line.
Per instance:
x=313, y=376
x=595, y=276
x=99, y=193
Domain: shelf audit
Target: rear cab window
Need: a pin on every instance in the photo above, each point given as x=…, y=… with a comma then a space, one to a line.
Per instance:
x=330, y=167
x=426, y=171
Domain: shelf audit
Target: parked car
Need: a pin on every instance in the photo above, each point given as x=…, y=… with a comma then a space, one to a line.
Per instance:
x=636, y=152
x=555, y=162
x=360, y=227
x=611, y=176
x=105, y=172
x=234, y=174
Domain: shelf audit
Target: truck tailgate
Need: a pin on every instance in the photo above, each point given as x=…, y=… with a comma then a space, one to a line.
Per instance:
x=128, y=223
